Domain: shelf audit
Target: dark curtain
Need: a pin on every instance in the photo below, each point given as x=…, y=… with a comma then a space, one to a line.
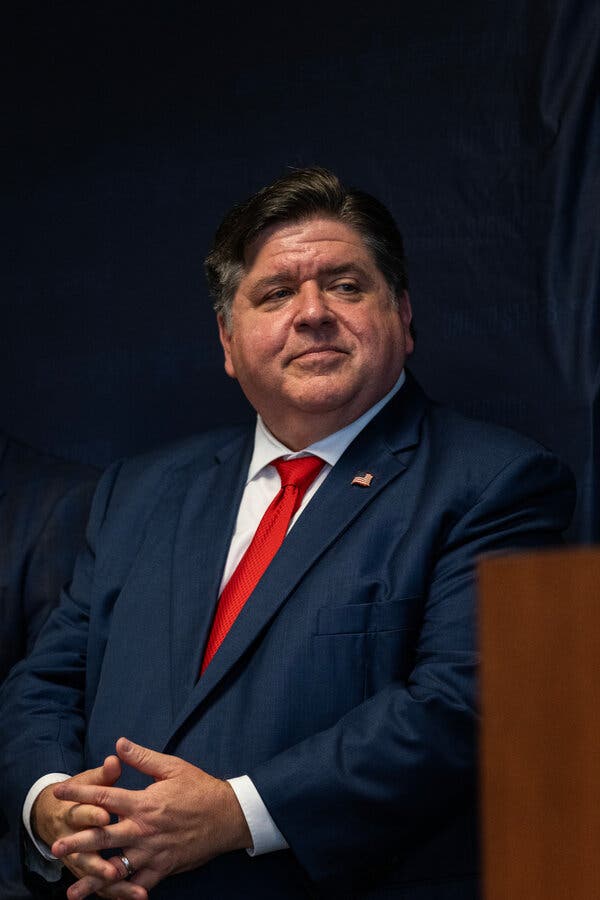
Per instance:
x=128, y=131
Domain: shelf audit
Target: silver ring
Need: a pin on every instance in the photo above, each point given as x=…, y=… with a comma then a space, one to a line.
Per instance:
x=128, y=866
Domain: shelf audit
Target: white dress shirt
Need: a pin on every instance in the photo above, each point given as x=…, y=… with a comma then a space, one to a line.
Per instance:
x=262, y=484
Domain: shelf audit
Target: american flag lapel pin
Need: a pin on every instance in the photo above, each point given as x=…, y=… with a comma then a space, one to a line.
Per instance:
x=364, y=479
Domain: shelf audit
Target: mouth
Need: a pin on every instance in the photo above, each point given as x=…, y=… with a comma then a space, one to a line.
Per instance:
x=319, y=352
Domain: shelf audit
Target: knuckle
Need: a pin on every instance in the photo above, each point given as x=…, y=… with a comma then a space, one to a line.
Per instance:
x=143, y=756
x=101, y=797
x=101, y=837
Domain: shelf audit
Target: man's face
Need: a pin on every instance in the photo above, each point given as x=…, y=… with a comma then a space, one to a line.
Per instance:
x=315, y=339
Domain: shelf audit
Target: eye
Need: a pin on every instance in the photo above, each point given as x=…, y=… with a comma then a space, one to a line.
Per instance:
x=345, y=287
x=278, y=294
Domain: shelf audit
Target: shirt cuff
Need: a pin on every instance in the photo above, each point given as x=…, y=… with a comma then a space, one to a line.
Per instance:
x=34, y=791
x=266, y=836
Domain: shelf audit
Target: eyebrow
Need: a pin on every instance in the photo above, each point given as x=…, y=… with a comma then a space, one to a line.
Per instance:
x=347, y=269
x=287, y=274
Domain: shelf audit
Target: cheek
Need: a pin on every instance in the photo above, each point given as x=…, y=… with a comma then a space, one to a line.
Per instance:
x=378, y=337
x=257, y=345
x=252, y=355
x=386, y=348
x=264, y=341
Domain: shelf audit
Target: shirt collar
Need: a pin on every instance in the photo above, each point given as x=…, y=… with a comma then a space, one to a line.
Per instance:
x=330, y=448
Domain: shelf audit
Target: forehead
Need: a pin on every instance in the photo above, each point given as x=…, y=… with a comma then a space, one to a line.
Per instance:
x=307, y=246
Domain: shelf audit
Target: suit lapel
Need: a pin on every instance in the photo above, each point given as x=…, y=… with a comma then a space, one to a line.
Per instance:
x=382, y=450
x=202, y=540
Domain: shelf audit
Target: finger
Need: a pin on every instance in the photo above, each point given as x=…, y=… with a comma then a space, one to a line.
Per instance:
x=124, y=890
x=107, y=773
x=117, y=862
x=115, y=800
x=82, y=815
x=144, y=877
x=92, y=840
x=89, y=885
x=120, y=888
x=92, y=865
x=158, y=765
x=111, y=770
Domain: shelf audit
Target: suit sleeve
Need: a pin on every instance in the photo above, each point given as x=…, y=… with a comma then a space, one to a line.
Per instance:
x=42, y=703
x=404, y=761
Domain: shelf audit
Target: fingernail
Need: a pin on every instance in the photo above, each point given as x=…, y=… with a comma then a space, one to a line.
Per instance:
x=126, y=746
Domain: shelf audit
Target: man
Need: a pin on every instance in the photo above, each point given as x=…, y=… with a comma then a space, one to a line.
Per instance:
x=309, y=699
x=44, y=503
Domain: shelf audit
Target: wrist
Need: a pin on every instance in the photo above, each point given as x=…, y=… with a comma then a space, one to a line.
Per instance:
x=240, y=836
x=41, y=815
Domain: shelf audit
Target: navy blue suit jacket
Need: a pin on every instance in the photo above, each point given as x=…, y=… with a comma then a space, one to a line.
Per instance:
x=44, y=505
x=346, y=688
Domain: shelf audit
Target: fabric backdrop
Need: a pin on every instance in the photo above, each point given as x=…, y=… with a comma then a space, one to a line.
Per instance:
x=129, y=130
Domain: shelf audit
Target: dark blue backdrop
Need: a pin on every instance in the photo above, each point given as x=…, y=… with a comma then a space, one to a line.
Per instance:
x=129, y=131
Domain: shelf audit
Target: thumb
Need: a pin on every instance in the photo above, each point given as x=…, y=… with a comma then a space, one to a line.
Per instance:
x=158, y=765
x=106, y=774
x=110, y=771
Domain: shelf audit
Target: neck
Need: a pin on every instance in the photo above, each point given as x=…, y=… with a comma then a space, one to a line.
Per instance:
x=299, y=432
x=303, y=428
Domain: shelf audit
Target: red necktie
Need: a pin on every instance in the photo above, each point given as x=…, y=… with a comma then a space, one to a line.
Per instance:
x=296, y=477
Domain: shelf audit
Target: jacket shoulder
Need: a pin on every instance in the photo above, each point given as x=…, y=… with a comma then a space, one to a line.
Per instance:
x=468, y=454
x=198, y=449
x=135, y=483
x=468, y=436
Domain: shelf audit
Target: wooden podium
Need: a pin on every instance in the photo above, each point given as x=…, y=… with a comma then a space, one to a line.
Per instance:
x=540, y=753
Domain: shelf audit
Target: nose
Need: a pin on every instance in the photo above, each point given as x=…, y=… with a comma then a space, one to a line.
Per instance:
x=312, y=307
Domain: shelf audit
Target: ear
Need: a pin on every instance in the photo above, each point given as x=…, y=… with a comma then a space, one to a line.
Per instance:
x=405, y=313
x=225, y=338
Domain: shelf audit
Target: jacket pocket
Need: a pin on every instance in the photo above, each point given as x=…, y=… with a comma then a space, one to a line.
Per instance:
x=367, y=618
x=375, y=641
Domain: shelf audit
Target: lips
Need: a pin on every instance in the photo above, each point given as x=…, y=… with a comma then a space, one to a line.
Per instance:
x=317, y=350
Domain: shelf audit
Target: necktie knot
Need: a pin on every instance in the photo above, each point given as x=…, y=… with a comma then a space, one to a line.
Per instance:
x=299, y=472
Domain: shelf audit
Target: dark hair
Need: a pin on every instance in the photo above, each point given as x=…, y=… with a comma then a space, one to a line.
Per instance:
x=302, y=194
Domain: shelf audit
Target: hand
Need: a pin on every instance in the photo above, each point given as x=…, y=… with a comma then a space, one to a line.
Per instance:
x=52, y=818
x=178, y=823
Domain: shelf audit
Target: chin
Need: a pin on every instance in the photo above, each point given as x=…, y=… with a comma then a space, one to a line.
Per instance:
x=322, y=401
